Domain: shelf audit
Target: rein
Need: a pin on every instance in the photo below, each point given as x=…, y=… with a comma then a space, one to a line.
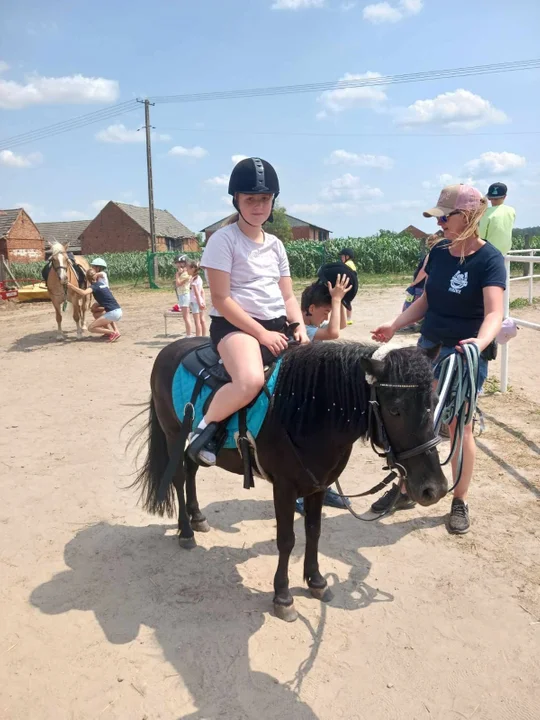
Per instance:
x=457, y=390
x=393, y=459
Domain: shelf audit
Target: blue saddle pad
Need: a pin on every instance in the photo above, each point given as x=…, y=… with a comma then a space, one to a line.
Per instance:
x=182, y=389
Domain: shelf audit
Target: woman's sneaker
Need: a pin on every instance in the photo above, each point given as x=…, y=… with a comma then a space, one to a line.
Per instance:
x=459, y=521
x=392, y=499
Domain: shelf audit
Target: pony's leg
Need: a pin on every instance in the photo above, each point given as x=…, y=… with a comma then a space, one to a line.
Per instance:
x=312, y=523
x=185, y=531
x=77, y=318
x=198, y=520
x=85, y=301
x=284, y=498
x=59, y=334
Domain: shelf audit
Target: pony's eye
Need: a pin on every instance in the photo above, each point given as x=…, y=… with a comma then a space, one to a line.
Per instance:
x=394, y=411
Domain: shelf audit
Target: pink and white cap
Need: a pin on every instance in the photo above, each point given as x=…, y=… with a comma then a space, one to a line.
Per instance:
x=457, y=197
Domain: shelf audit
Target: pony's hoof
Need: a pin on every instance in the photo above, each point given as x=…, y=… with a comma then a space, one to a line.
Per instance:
x=60, y=338
x=79, y=336
x=285, y=612
x=323, y=594
x=202, y=526
x=187, y=543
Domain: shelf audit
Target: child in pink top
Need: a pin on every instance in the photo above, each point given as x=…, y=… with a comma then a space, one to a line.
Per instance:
x=197, y=300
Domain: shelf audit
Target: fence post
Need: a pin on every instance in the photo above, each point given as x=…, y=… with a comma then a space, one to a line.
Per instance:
x=504, y=348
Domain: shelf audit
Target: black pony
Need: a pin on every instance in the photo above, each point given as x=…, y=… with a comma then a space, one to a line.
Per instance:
x=320, y=408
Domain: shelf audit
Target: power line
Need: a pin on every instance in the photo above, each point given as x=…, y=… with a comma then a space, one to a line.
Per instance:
x=406, y=136
x=131, y=105
x=71, y=124
x=351, y=83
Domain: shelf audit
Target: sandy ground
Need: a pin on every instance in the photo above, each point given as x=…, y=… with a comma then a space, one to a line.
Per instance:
x=102, y=615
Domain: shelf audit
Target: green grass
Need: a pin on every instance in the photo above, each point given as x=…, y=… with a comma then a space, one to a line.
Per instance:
x=523, y=303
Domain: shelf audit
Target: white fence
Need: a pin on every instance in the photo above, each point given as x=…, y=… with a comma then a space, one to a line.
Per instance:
x=522, y=256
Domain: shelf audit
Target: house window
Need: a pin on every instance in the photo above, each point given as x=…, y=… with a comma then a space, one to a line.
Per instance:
x=322, y=235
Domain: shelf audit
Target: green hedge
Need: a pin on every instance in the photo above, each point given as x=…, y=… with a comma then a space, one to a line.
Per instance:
x=379, y=254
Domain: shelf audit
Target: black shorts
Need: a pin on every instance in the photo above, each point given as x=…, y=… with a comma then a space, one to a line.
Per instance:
x=220, y=328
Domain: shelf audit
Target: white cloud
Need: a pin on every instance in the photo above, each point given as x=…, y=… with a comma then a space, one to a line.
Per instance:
x=307, y=208
x=227, y=200
x=11, y=159
x=346, y=6
x=297, y=4
x=496, y=163
x=384, y=12
x=73, y=215
x=119, y=133
x=349, y=187
x=74, y=89
x=344, y=98
x=238, y=158
x=98, y=205
x=36, y=212
x=445, y=179
x=194, y=152
x=343, y=157
x=458, y=109
x=3, y=66
x=218, y=181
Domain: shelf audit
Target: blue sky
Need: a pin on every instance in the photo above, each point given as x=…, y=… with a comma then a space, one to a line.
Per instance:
x=62, y=59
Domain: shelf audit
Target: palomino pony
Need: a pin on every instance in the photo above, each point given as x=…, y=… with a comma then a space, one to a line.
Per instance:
x=321, y=406
x=61, y=273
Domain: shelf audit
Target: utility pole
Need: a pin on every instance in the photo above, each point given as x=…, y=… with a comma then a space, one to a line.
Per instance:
x=148, y=129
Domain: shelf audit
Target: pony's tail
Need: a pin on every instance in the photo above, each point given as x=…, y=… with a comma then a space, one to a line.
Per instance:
x=149, y=476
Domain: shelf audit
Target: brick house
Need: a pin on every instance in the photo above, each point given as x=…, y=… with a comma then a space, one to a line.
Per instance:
x=64, y=232
x=301, y=229
x=20, y=239
x=120, y=227
x=415, y=232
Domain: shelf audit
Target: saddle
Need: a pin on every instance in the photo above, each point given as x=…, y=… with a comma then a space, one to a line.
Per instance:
x=206, y=366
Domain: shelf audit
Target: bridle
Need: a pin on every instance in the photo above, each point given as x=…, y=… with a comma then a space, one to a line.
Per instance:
x=375, y=422
x=394, y=460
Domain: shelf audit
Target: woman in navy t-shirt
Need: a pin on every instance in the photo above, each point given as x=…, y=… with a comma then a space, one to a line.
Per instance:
x=104, y=324
x=462, y=303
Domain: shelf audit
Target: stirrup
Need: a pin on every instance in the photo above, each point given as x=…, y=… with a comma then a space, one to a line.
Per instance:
x=202, y=440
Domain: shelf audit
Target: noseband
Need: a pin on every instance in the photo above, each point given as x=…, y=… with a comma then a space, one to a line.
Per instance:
x=376, y=424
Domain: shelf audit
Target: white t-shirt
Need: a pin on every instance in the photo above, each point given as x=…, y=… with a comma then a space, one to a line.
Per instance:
x=255, y=270
x=198, y=283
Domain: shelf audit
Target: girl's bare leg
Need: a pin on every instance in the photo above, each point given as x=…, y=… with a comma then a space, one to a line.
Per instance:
x=187, y=320
x=197, y=320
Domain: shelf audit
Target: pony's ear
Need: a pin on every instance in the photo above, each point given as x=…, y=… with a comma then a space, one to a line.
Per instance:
x=66, y=244
x=432, y=353
x=372, y=368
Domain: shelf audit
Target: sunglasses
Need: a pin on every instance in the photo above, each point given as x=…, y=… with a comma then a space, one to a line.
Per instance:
x=444, y=218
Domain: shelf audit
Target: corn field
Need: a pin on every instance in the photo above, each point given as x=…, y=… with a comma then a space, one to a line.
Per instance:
x=380, y=254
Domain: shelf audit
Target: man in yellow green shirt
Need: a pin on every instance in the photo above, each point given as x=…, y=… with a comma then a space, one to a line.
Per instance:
x=498, y=221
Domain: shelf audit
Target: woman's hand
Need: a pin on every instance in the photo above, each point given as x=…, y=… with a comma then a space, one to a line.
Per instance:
x=482, y=345
x=276, y=342
x=384, y=333
x=341, y=288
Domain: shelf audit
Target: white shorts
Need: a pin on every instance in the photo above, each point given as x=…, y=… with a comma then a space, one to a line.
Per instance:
x=194, y=307
x=113, y=315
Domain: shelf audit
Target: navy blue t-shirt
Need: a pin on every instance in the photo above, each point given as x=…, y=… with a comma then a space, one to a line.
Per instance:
x=454, y=292
x=104, y=297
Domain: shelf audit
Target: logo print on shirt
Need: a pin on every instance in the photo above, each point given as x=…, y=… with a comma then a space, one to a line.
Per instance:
x=458, y=282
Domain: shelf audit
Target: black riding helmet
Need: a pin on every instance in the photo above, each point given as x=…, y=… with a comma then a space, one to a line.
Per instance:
x=253, y=176
x=328, y=273
x=348, y=252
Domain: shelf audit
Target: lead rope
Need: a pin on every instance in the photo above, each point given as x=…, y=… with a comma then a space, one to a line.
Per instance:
x=458, y=392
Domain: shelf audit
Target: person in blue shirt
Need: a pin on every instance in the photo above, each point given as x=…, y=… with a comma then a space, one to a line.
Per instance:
x=462, y=303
